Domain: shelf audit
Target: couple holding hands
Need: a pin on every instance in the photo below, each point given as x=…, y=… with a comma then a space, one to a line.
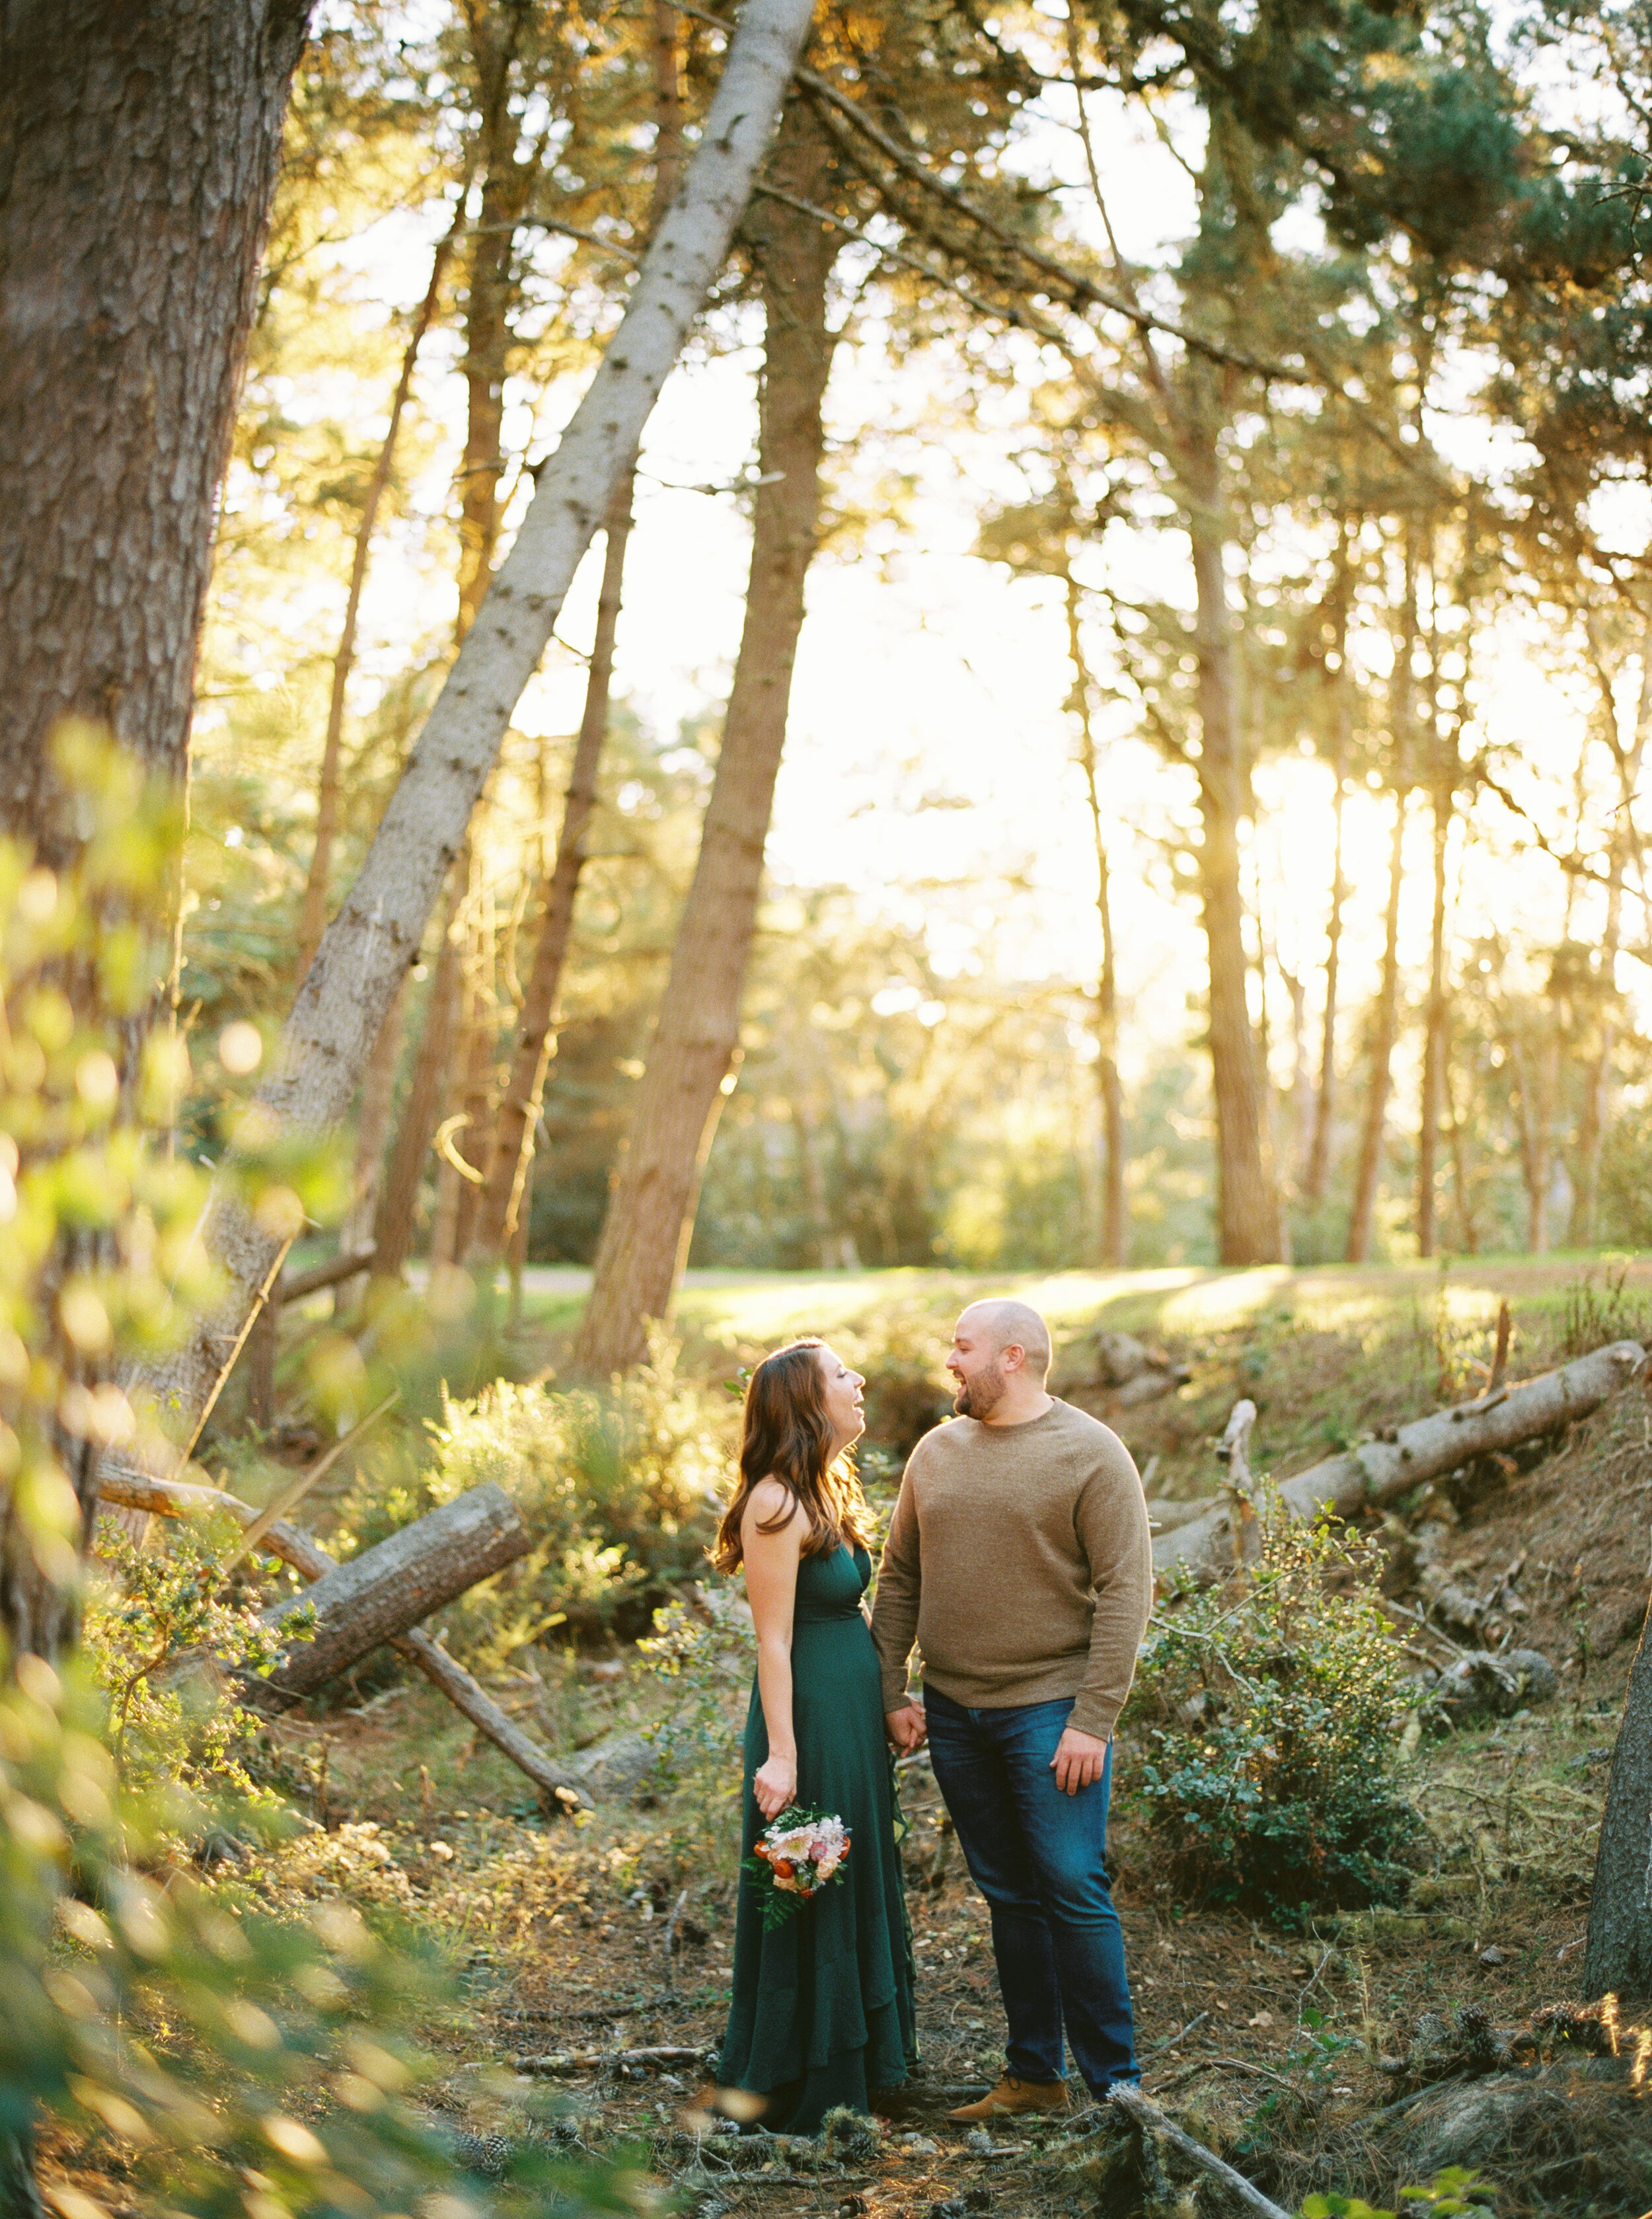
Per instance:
x=1018, y=1561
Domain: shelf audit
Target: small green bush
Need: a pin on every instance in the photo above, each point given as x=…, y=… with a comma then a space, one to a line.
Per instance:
x=1272, y=1712
x=706, y=1656
x=619, y=1486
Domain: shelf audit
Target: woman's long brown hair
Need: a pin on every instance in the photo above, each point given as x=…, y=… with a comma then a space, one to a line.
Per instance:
x=788, y=1437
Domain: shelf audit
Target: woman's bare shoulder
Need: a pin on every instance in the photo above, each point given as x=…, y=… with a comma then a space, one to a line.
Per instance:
x=771, y=1503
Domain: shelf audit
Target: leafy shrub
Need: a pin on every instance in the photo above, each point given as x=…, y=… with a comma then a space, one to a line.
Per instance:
x=619, y=1486
x=705, y=1656
x=150, y=1608
x=1271, y=1715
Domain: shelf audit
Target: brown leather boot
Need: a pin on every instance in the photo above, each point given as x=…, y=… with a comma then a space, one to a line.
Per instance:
x=1012, y=2096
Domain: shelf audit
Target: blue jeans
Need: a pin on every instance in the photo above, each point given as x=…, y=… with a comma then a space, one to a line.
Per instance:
x=1036, y=1856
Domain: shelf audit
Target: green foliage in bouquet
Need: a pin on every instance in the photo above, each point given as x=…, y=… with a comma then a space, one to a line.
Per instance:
x=1270, y=1710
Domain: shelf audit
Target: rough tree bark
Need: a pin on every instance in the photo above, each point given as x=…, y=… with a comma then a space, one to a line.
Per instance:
x=1618, y=1959
x=377, y=931
x=650, y=1211
x=138, y=147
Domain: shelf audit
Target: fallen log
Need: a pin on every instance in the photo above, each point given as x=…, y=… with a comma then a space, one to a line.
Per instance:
x=387, y=1588
x=558, y=1789
x=1377, y=1471
x=1147, y=2117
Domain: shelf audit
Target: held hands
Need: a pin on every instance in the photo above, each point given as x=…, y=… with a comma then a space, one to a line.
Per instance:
x=775, y=1785
x=907, y=1727
x=1078, y=1761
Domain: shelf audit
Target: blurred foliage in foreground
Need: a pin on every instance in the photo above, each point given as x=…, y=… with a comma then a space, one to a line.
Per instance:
x=160, y=2028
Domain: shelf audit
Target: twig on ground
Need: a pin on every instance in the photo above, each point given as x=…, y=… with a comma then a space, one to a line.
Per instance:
x=671, y=1933
x=1263, y=2072
x=1147, y=2116
x=1170, y=2040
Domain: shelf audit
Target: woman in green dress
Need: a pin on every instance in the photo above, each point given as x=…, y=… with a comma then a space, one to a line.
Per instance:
x=822, y=2010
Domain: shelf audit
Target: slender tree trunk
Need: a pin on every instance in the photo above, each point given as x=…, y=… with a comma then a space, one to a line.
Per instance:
x=1247, y=1202
x=1594, y=1115
x=1318, y=1169
x=651, y=1209
x=314, y=916
x=1434, y=1043
x=536, y=1038
x=1462, y=1185
x=1385, y=1033
x=341, y=1004
x=1114, y=1228
x=1325, y=1101
x=502, y=1203
x=372, y=1131
x=395, y=1217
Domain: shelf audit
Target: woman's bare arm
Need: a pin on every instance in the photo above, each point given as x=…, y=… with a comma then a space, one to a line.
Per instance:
x=772, y=1589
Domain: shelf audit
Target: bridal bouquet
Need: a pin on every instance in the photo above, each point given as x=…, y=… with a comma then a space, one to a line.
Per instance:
x=795, y=1858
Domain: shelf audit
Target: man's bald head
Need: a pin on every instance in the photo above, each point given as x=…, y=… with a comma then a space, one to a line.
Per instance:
x=1007, y=1323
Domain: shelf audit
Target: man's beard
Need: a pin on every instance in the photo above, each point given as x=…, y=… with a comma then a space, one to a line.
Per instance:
x=980, y=1396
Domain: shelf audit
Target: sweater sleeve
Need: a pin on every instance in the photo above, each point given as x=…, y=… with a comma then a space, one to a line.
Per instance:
x=895, y=1609
x=1111, y=1518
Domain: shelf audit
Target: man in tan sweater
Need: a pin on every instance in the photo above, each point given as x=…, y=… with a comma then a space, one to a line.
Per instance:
x=1019, y=1560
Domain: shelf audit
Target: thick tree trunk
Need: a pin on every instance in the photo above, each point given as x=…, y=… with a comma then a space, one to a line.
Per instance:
x=138, y=143
x=1385, y=1032
x=650, y=1211
x=389, y=1588
x=501, y=1201
x=138, y=146
x=1618, y=1959
x=376, y=933
x=313, y=916
x=1247, y=1203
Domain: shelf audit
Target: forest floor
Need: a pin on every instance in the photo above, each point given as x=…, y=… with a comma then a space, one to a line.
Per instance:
x=585, y=1942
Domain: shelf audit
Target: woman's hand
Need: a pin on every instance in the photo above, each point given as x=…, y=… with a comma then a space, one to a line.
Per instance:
x=775, y=1785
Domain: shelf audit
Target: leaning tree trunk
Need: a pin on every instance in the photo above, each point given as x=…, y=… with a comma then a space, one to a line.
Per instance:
x=651, y=1210
x=500, y=1208
x=376, y=933
x=1618, y=1959
x=138, y=146
x=317, y=879
x=396, y=1211
x=499, y=1225
x=1247, y=1202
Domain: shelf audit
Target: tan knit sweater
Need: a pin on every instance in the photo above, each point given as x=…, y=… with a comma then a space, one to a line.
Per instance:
x=1019, y=1558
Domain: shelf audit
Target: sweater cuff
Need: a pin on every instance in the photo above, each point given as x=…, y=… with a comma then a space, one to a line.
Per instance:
x=1093, y=1718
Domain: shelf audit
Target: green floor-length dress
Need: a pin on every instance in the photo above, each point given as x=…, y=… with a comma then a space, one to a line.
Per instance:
x=822, y=2007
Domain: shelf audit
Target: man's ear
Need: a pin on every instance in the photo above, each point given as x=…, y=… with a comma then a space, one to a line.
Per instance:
x=1013, y=1357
